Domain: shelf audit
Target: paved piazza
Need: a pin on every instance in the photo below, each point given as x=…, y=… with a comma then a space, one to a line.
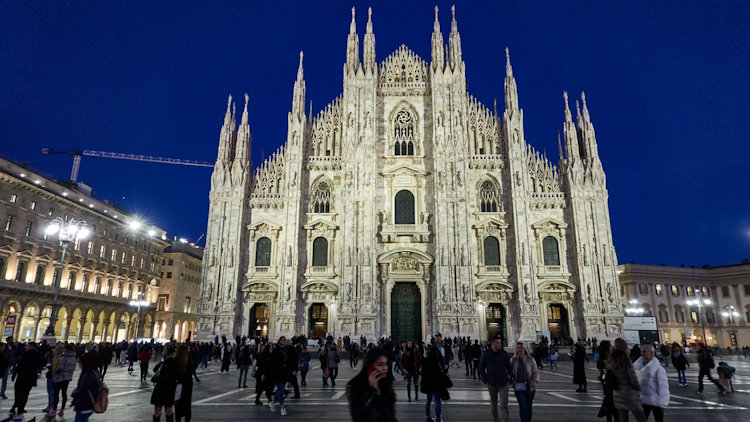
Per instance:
x=217, y=399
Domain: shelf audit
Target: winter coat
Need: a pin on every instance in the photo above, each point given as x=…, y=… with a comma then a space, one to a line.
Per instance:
x=185, y=377
x=532, y=372
x=705, y=360
x=579, y=367
x=280, y=368
x=65, y=367
x=333, y=359
x=495, y=368
x=433, y=377
x=163, y=394
x=680, y=362
x=27, y=367
x=626, y=394
x=88, y=382
x=653, y=380
x=411, y=360
x=365, y=405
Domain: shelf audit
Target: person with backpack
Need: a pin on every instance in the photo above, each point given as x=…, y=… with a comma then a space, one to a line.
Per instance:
x=626, y=387
x=165, y=384
x=434, y=381
x=304, y=361
x=705, y=364
x=333, y=364
x=88, y=389
x=680, y=363
x=62, y=373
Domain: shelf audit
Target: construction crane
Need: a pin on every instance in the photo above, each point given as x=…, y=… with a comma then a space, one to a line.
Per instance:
x=102, y=154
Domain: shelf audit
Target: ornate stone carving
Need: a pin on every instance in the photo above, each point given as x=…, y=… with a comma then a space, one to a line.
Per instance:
x=405, y=262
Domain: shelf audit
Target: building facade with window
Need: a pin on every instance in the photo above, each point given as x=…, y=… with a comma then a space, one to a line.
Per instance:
x=115, y=264
x=405, y=207
x=179, y=289
x=670, y=295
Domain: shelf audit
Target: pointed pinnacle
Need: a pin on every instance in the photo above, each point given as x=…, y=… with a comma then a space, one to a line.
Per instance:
x=578, y=111
x=454, y=24
x=300, y=71
x=568, y=117
x=436, y=25
x=353, y=25
x=369, y=20
x=508, y=67
x=244, y=113
x=559, y=145
x=585, y=109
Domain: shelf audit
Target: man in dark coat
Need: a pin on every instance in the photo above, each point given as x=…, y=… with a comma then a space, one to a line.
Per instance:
x=495, y=371
x=281, y=370
x=705, y=364
x=579, y=368
x=25, y=374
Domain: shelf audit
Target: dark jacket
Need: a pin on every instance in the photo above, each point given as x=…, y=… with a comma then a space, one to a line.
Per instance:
x=411, y=360
x=243, y=359
x=27, y=367
x=494, y=367
x=365, y=405
x=705, y=360
x=281, y=371
x=579, y=368
x=680, y=362
x=163, y=394
x=88, y=382
x=433, y=375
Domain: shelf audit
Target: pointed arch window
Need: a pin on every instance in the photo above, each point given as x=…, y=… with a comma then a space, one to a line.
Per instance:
x=551, y=251
x=320, y=252
x=488, y=198
x=404, y=212
x=403, y=133
x=320, y=202
x=491, y=251
x=263, y=252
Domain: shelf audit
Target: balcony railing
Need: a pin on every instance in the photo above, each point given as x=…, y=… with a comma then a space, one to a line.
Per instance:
x=261, y=269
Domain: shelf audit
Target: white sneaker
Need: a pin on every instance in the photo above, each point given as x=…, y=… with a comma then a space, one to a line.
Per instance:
x=271, y=406
x=283, y=411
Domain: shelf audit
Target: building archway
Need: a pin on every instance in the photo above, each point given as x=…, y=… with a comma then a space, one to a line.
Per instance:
x=318, y=321
x=258, y=326
x=406, y=309
x=558, y=323
x=496, y=321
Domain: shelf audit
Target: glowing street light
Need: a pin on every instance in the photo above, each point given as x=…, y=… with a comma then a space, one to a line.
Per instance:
x=67, y=231
x=700, y=302
x=634, y=308
x=730, y=313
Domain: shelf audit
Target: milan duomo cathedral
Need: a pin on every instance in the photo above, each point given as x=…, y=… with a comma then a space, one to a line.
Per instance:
x=406, y=207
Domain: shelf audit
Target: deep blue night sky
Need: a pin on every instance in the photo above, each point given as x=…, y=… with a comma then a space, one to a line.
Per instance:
x=666, y=83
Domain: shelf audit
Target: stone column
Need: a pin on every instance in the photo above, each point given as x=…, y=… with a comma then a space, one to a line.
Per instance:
x=94, y=325
x=105, y=327
x=81, y=324
x=36, y=328
x=68, y=319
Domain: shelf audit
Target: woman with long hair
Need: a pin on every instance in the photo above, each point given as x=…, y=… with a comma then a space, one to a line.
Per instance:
x=62, y=367
x=261, y=374
x=165, y=384
x=626, y=387
x=185, y=374
x=370, y=393
x=433, y=381
x=608, y=383
x=579, y=368
x=525, y=380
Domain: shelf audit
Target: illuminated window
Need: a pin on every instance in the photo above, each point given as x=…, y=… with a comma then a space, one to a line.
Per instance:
x=657, y=289
x=27, y=232
x=675, y=290
x=705, y=291
x=690, y=291
x=13, y=198
x=32, y=205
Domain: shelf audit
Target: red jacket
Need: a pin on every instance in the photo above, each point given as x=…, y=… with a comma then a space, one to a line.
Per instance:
x=144, y=357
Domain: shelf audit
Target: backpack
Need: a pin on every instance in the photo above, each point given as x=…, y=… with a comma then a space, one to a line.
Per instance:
x=102, y=397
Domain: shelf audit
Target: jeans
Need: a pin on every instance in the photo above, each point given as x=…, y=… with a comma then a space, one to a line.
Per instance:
x=82, y=417
x=467, y=362
x=552, y=363
x=502, y=392
x=50, y=393
x=681, y=377
x=412, y=376
x=280, y=392
x=243, y=374
x=475, y=367
x=303, y=373
x=204, y=361
x=5, y=380
x=525, y=399
x=438, y=405
x=658, y=412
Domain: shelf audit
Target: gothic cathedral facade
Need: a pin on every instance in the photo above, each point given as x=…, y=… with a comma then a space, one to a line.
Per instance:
x=406, y=207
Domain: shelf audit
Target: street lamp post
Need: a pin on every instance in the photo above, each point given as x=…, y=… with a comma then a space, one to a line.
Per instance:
x=67, y=232
x=140, y=302
x=699, y=302
x=730, y=313
x=634, y=308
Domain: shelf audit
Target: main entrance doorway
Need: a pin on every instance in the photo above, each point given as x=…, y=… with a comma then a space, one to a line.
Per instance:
x=557, y=317
x=495, y=320
x=258, y=321
x=318, y=317
x=406, y=313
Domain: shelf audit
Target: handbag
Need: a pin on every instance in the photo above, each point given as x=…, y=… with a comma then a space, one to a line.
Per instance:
x=520, y=386
x=447, y=381
x=160, y=373
x=328, y=373
x=178, y=392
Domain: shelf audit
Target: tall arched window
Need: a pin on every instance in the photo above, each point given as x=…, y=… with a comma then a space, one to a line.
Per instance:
x=263, y=252
x=491, y=251
x=320, y=202
x=21, y=271
x=403, y=134
x=404, y=212
x=488, y=197
x=320, y=252
x=85, y=283
x=551, y=252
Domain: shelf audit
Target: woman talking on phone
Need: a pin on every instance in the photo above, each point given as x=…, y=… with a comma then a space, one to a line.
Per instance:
x=370, y=392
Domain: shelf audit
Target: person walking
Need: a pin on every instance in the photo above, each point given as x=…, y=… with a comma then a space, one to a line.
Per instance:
x=608, y=384
x=370, y=393
x=281, y=373
x=411, y=362
x=132, y=356
x=525, y=379
x=226, y=358
x=263, y=374
x=705, y=364
x=165, y=384
x=105, y=357
x=433, y=382
x=24, y=375
x=323, y=357
x=243, y=363
x=654, y=384
x=353, y=354
x=333, y=364
x=62, y=370
x=5, y=365
x=579, y=367
x=495, y=371
x=680, y=363
x=626, y=386
x=304, y=362
x=87, y=389
x=476, y=356
x=468, y=358
x=553, y=355
x=144, y=357
x=184, y=390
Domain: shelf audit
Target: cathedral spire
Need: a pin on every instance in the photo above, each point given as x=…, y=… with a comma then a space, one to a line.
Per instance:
x=244, y=112
x=559, y=147
x=511, y=91
x=587, y=134
x=454, y=41
x=228, y=115
x=352, y=47
x=242, y=150
x=586, y=116
x=569, y=132
x=438, y=59
x=298, y=99
x=369, y=53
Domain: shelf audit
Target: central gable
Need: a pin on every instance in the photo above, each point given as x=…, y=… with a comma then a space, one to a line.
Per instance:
x=403, y=72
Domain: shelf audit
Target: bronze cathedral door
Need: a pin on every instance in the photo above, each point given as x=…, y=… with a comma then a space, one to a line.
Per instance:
x=406, y=313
